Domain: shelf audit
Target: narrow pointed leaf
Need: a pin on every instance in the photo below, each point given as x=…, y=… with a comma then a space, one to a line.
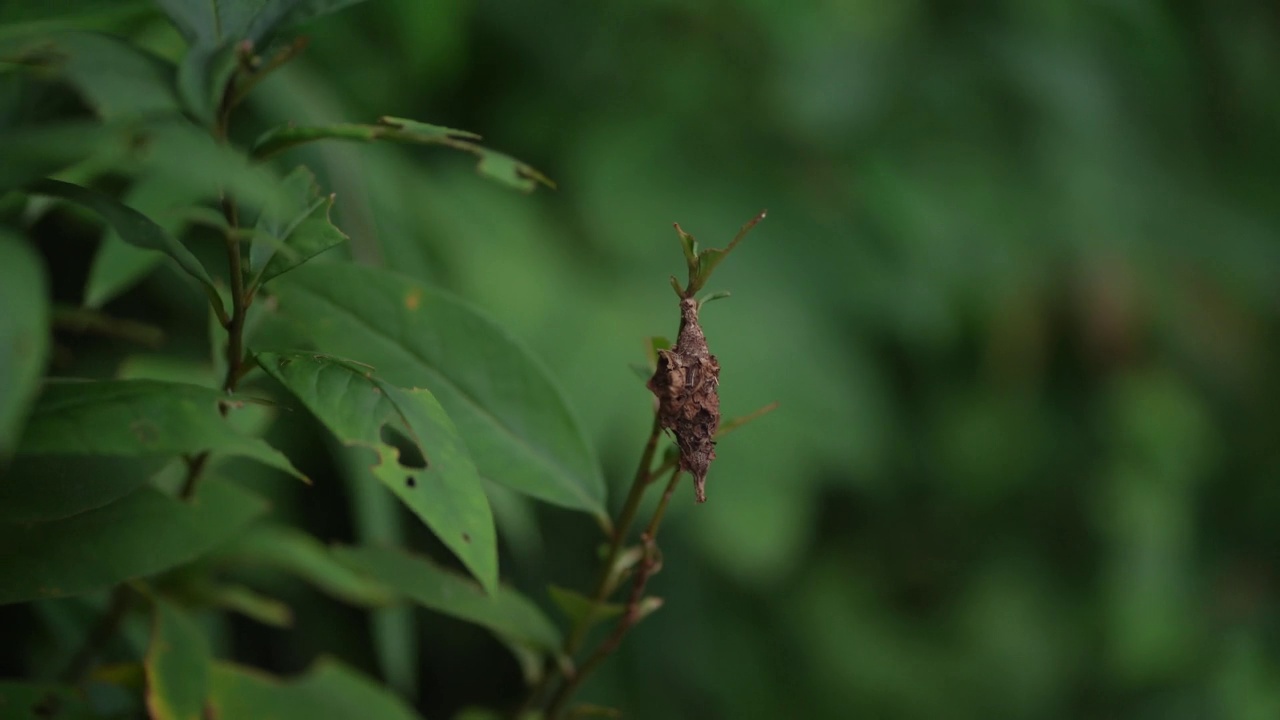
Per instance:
x=37, y=488
x=176, y=665
x=145, y=533
x=295, y=552
x=328, y=690
x=579, y=608
x=358, y=407
x=33, y=152
x=515, y=421
x=505, y=612
x=137, y=418
x=491, y=163
x=119, y=265
x=251, y=604
x=24, y=335
x=133, y=227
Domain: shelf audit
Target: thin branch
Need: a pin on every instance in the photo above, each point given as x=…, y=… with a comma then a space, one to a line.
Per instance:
x=604, y=583
x=118, y=606
x=88, y=320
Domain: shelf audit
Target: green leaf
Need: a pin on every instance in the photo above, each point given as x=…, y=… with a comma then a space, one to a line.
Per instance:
x=245, y=601
x=328, y=690
x=492, y=164
x=24, y=334
x=133, y=227
x=505, y=612
x=293, y=551
x=176, y=665
x=37, y=488
x=578, y=607
x=515, y=421
x=358, y=408
x=301, y=229
x=118, y=266
x=139, y=418
x=376, y=516
x=19, y=19
x=308, y=10
x=42, y=701
x=118, y=80
x=217, y=20
x=143, y=534
x=174, y=149
x=31, y=153
x=203, y=75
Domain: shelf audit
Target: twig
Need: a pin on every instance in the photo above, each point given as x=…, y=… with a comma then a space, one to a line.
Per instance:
x=88, y=320
x=630, y=617
x=117, y=607
x=604, y=583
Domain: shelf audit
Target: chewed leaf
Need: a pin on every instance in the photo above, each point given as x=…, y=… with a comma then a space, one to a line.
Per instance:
x=514, y=419
x=441, y=486
x=492, y=164
x=138, y=418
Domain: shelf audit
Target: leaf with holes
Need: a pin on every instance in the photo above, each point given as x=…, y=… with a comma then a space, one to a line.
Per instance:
x=491, y=163
x=441, y=487
x=514, y=419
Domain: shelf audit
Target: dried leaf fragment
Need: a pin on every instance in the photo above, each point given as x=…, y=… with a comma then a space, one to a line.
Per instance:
x=686, y=384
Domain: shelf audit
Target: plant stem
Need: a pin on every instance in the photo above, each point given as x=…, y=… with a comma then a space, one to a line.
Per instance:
x=627, y=515
x=642, y=479
x=88, y=320
x=239, y=304
x=648, y=566
x=117, y=607
x=655, y=522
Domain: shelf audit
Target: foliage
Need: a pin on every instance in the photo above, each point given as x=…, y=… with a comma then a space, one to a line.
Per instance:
x=1015, y=295
x=125, y=483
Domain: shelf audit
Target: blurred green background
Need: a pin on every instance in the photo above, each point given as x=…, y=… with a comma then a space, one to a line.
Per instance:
x=1016, y=295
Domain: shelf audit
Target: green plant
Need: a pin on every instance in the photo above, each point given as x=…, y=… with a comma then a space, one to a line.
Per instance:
x=136, y=483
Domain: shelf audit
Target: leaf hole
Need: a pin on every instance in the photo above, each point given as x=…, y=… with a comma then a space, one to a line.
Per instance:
x=411, y=481
x=410, y=456
x=466, y=537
